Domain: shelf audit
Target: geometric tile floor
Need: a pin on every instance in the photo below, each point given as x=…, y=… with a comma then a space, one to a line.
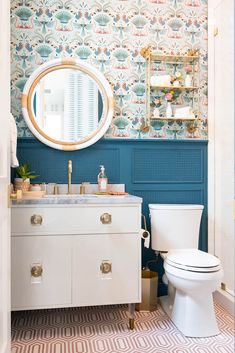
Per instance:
x=104, y=329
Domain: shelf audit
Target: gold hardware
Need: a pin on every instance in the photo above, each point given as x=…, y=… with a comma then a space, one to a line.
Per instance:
x=144, y=127
x=70, y=170
x=106, y=267
x=223, y=286
x=36, y=220
x=106, y=218
x=193, y=52
x=82, y=189
x=131, y=324
x=191, y=128
x=216, y=31
x=13, y=195
x=56, y=189
x=36, y=271
x=146, y=52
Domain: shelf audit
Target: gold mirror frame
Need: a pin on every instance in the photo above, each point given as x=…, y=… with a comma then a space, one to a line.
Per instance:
x=59, y=64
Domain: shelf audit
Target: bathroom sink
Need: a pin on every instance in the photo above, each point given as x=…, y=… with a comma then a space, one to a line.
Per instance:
x=70, y=196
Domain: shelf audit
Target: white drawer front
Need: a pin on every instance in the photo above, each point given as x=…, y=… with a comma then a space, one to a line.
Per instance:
x=53, y=286
x=106, y=269
x=75, y=220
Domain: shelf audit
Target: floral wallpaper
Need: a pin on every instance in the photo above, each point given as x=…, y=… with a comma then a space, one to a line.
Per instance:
x=109, y=35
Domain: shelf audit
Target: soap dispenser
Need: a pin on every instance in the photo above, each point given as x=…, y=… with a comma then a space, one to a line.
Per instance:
x=102, y=180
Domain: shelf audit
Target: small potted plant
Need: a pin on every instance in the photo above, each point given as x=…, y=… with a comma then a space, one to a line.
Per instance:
x=25, y=174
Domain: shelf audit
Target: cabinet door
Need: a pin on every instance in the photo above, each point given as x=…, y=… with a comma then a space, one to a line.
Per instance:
x=30, y=256
x=106, y=269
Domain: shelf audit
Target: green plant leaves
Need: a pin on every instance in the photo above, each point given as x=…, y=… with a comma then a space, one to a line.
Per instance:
x=24, y=172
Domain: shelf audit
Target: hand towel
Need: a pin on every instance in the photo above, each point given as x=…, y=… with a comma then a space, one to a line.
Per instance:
x=13, y=142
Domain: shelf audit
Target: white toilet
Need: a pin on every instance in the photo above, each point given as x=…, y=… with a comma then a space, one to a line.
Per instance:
x=192, y=275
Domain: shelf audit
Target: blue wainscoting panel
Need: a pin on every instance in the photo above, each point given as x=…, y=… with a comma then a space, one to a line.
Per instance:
x=165, y=165
x=158, y=171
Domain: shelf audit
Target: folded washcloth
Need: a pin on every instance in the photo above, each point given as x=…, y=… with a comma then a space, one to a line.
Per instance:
x=13, y=144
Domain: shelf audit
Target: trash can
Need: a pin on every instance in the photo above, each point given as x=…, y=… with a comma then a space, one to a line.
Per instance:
x=149, y=282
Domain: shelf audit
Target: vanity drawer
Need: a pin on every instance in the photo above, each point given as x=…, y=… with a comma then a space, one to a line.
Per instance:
x=75, y=220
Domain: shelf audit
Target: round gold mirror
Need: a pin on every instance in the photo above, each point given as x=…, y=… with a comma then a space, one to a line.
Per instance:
x=67, y=104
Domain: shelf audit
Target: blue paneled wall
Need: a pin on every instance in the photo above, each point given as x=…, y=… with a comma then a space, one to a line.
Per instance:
x=159, y=171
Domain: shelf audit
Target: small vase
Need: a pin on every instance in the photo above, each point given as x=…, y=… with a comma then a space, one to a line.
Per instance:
x=168, y=110
x=188, y=81
x=156, y=113
x=176, y=83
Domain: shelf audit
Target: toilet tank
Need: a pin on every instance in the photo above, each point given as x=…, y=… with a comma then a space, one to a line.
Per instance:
x=175, y=226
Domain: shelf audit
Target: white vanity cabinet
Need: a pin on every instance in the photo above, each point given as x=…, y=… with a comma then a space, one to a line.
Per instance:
x=76, y=254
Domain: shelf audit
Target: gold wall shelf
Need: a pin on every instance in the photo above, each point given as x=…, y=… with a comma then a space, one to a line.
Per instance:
x=190, y=56
x=182, y=88
x=173, y=118
x=174, y=59
x=158, y=64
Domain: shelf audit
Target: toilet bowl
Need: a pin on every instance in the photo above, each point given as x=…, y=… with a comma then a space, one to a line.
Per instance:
x=195, y=275
x=192, y=275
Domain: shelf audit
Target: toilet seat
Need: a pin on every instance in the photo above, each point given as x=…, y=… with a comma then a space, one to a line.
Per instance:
x=193, y=260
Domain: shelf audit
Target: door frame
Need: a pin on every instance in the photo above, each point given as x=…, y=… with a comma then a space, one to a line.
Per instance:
x=214, y=240
x=5, y=276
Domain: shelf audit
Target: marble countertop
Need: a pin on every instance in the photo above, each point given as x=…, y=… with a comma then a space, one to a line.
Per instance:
x=77, y=199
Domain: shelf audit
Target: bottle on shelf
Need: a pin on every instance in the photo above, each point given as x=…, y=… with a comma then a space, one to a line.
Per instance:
x=188, y=80
x=169, y=110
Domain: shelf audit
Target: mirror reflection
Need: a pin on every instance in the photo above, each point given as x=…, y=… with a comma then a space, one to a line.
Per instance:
x=67, y=104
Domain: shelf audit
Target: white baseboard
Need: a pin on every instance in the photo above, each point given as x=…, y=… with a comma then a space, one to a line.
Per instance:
x=225, y=299
x=5, y=347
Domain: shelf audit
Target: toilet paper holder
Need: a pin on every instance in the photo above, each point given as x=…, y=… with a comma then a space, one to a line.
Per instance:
x=145, y=233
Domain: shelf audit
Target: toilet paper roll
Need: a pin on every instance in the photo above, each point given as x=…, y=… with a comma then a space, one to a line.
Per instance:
x=146, y=236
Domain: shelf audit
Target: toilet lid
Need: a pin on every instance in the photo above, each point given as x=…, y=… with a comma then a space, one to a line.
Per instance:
x=193, y=260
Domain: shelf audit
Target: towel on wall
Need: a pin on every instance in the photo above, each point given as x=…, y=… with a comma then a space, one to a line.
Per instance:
x=13, y=142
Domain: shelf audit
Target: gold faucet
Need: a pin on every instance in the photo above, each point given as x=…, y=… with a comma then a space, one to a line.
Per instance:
x=70, y=169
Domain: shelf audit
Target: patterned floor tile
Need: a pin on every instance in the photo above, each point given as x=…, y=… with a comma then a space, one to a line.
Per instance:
x=105, y=330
